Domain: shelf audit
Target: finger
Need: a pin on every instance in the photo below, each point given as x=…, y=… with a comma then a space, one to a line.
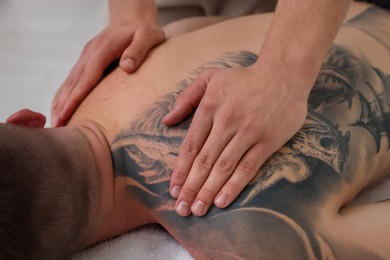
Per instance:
x=188, y=100
x=61, y=98
x=91, y=75
x=79, y=93
x=223, y=168
x=244, y=173
x=200, y=171
x=197, y=134
x=144, y=39
x=190, y=148
x=66, y=88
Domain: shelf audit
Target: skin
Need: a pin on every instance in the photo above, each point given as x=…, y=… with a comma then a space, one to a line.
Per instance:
x=297, y=206
x=220, y=154
x=132, y=32
x=218, y=159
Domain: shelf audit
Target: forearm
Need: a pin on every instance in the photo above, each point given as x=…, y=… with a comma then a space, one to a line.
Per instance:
x=132, y=10
x=300, y=35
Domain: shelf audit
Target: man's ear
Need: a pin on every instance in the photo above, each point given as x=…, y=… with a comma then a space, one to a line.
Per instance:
x=28, y=118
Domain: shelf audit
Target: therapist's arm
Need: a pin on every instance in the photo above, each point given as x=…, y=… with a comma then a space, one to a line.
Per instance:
x=224, y=147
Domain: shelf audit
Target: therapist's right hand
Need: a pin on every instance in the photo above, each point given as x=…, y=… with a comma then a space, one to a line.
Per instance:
x=128, y=41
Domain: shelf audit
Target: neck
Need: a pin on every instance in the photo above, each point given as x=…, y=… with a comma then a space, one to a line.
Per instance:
x=116, y=212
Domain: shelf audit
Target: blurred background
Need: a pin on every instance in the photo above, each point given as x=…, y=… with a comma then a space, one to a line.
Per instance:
x=40, y=41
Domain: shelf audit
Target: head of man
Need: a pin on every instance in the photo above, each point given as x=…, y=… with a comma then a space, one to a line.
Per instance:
x=46, y=191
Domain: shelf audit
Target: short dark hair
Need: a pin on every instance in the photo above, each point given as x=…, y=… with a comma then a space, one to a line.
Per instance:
x=44, y=199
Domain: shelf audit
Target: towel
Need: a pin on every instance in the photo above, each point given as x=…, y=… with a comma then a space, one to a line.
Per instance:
x=149, y=242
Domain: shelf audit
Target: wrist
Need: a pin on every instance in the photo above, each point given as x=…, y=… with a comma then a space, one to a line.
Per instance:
x=126, y=12
x=293, y=68
x=299, y=38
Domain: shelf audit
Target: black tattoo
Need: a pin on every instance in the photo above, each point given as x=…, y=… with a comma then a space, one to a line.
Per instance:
x=317, y=141
x=286, y=198
x=345, y=78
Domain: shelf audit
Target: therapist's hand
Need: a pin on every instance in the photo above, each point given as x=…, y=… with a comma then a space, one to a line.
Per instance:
x=243, y=115
x=128, y=41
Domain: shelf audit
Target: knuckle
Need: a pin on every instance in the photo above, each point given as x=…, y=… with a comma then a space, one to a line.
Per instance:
x=90, y=44
x=154, y=33
x=208, y=104
x=233, y=188
x=187, y=193
x=74, y=102
x=86, y=85
x=186, y=99
x=144, y=30
x=226, y=118
x=247, y=129
x=181, y=99
x=72, y=78
x=87, y=47
x=190, y=148
x=206, y=195
x=225, y=164
x=179, y=175
x=204, y=161
x=247, y=168
x=77, y=95
x=181, y=95
x=69, y=82
x=75, y=99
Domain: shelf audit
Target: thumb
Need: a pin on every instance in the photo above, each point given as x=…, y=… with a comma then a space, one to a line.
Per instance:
x=132, y=57
x=188, y=100
x=142, y=42
x=127, y=64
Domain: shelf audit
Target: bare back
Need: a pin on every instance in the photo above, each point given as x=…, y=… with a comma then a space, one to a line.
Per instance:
x=293, y=208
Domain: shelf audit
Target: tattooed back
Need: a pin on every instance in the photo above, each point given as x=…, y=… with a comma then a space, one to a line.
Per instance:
x=296, y=205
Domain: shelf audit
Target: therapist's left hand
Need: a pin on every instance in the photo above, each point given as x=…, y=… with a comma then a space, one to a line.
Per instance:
x=243, y=115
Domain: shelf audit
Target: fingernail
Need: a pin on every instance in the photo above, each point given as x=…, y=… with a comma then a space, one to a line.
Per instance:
x=182, y=208
x=175, y=191
x=198, y=208
x=128, y=64
x=221, y=200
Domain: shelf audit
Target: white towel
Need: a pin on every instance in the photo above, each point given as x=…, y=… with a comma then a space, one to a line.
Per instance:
x=144, y=243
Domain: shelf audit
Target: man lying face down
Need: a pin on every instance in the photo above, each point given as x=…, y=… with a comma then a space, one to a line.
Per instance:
x=108, y=170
